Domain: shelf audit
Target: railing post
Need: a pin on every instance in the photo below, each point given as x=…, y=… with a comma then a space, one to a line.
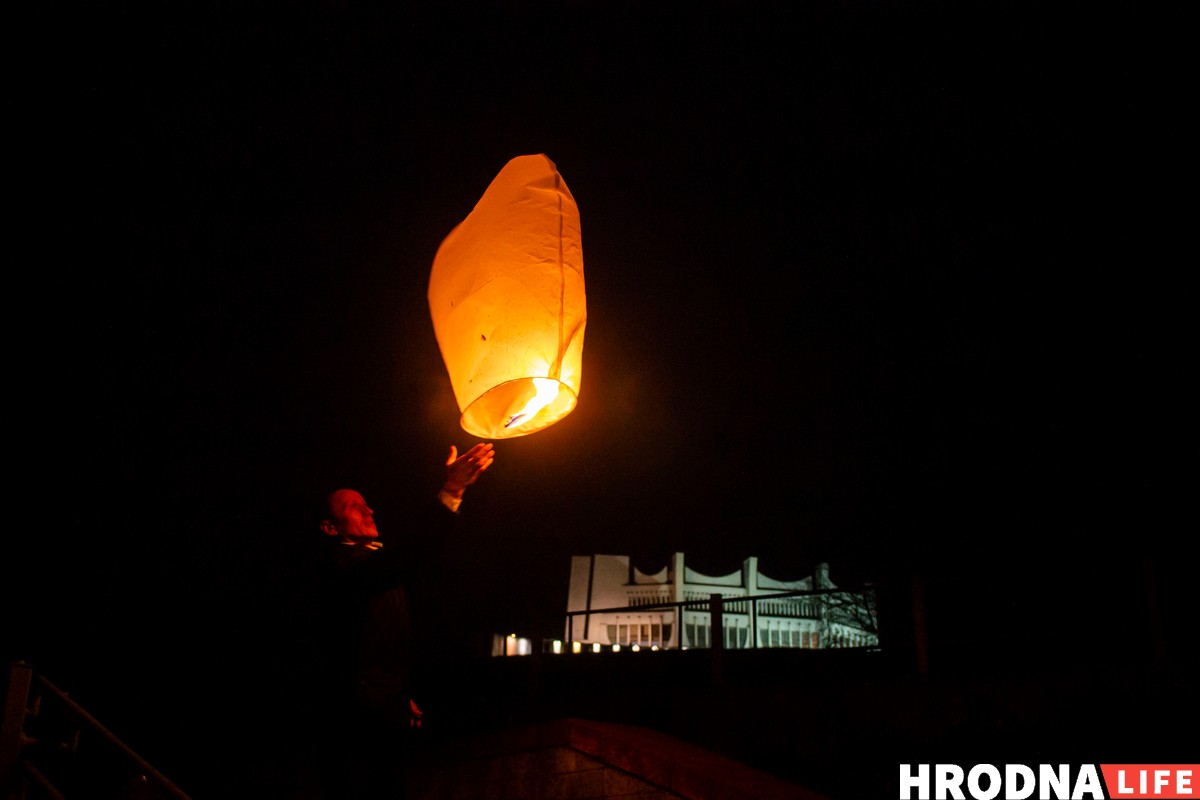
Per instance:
x=716, y=637
x=754, y=622
x=12, y=732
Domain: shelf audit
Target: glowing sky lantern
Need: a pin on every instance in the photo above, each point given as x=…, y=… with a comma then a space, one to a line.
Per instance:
x=507, y=301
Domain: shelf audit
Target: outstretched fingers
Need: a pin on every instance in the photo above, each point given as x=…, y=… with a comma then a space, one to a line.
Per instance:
x=463, y=470
x=482, y=455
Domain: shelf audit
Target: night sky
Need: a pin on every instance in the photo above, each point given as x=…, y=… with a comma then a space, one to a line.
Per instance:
x=895, y=289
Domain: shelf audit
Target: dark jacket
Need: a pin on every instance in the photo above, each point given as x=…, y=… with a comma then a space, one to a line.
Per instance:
x=368, y=630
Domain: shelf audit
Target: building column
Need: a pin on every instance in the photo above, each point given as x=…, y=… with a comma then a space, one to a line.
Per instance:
x=750, y=584
x=677, y=578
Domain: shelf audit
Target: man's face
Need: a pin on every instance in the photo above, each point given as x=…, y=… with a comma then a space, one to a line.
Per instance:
x=352, y=518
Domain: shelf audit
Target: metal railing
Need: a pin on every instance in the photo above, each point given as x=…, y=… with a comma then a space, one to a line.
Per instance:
x=718, y=606
x=50, y=746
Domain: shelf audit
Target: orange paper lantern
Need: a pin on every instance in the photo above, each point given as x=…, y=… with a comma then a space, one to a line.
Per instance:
x=507, y=301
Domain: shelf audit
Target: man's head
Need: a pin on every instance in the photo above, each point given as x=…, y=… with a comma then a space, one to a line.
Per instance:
x=349, y=517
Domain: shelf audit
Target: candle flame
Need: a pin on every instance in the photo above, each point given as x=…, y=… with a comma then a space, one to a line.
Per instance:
x=547, y=390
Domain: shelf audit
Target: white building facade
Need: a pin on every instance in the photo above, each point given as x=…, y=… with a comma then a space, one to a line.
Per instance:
x=612, y=603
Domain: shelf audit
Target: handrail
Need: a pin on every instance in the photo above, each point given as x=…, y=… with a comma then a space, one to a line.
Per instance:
x=715, y=602
x=81, y=713
x=41, y=780
x=725, y=598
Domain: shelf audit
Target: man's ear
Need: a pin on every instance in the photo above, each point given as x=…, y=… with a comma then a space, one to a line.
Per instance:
x=328, y=528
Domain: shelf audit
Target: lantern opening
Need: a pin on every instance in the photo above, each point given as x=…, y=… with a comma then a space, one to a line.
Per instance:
x=518, y=408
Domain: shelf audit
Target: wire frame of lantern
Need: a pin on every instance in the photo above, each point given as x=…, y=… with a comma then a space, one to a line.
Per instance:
x=506, y=296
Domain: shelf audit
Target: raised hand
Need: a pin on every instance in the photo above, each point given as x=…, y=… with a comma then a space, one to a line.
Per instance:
x=462, y=471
